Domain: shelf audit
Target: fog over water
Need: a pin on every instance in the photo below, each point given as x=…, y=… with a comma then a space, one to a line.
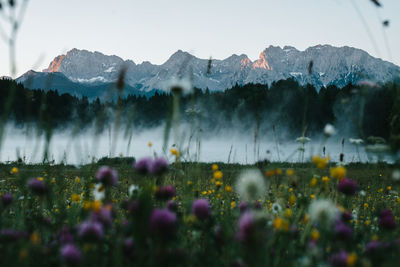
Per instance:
x=226, y=146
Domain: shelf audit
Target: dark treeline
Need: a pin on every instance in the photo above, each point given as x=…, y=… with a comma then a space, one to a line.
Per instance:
x=283, y=104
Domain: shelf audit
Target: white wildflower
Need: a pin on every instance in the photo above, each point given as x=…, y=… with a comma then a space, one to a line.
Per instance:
x=251, y=185
x=396, y=175
x=329, y=130
x=182, y=85
x=276, y=208
x=356, y=141
x=362, y=193
x=132, y=190
x=323, y=211
x=98, y=192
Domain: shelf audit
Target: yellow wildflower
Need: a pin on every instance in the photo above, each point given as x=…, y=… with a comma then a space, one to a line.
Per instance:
x=315, y=234
x=233, y=204
x=218, y=183
x=290, y=172
x=150, y=144
x=174, y=152
x=292, y=199
x=278, y=223
x=218, y=175
x=14, y=170
x=189, y=183
x=312, y=196
x=87, y=205
x=214, y=167
x=96, y=205
x=288, y=213
x=313, y=182
x=351, y=259
x=76, y=198
x=35, y=238
x=40, y=178
x=77, y=179
x=278, y=171
x=270, y=173
x=338, y=172
x=228, y=188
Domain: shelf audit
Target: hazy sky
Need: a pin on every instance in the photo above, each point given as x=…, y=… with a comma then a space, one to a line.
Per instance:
x=151, y=30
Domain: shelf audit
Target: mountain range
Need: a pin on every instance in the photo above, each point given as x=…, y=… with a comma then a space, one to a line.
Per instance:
x=81, y=72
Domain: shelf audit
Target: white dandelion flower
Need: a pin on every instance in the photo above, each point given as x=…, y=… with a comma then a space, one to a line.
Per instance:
x=323, y=211
x=251, y=185
x=276, y=208
x=98, y=192
x=396, y=175
x=182, y=85
x=329, y=130
x=132, y=190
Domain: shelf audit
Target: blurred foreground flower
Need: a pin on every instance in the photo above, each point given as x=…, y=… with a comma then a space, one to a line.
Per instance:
x=163, y=224
x=71, y=254
x=387, y=220
x=329, y=130
x=347, y=187
x=149, y=166
x=250, y=185
x=91, y=230
x=323, y=211
x=201, y=209
x=37, y=186
x=107, y=176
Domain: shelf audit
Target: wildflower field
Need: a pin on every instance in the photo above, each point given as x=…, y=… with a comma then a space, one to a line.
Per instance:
x=152, y=213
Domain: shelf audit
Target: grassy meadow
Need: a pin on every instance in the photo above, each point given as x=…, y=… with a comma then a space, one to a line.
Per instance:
x=152, y=213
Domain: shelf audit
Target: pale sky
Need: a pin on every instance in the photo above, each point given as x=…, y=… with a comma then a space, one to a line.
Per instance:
x=151, y=30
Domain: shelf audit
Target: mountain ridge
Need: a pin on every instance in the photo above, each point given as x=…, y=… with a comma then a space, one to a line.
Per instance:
x=331, y=65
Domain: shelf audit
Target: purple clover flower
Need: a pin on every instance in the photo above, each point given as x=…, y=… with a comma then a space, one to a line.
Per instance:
x=163, y=224
x=107, y=176
x=343, y=231
x=129, y=248
x=165, y=192
x=144, y=165
x=246, y=227
x=6, y=199
x=373, y=246
x=386, y=220
x=65, y=236
x=12, y=234
x=159, y=166
x=201, y=209
x=172, y=205
x=91, y=230
x=37, y=186
x=347, y=187
x=149, y=166
x=104, y=216
x=243, y=206
x=339, y=259
x=71, y=254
